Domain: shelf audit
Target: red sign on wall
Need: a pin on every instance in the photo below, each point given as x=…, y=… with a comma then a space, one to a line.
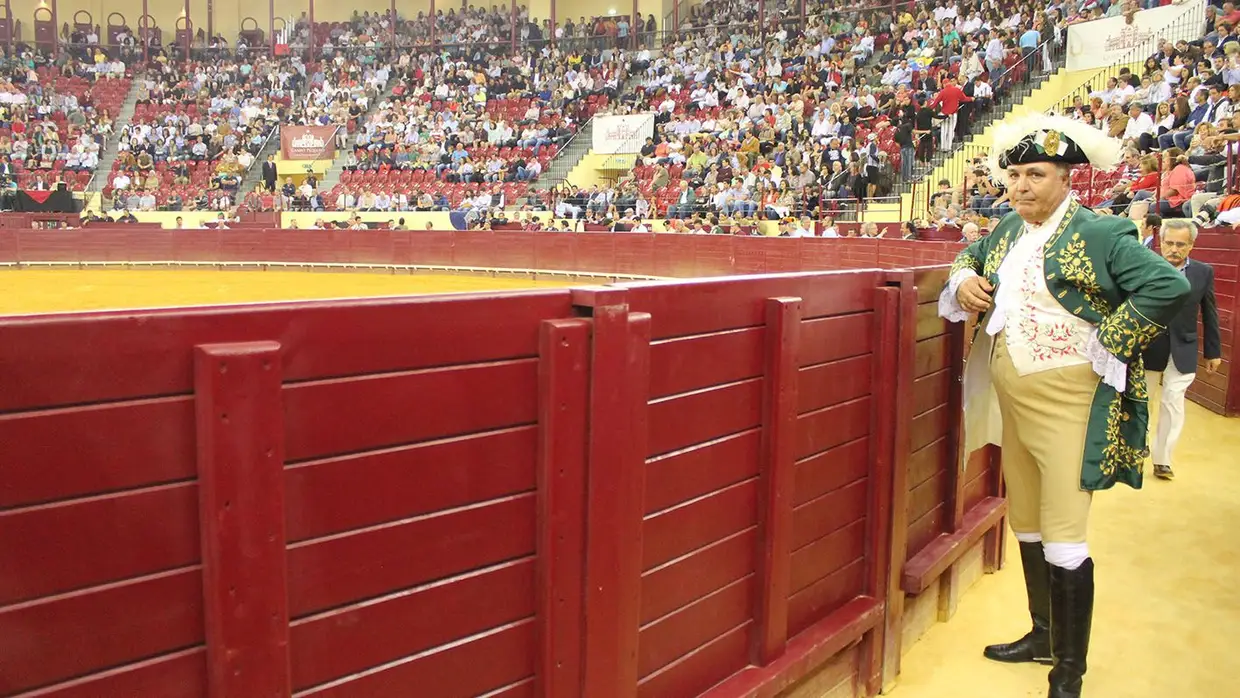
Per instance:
x=307, y=142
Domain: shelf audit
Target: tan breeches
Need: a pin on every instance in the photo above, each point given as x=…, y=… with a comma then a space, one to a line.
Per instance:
x=1044, y=421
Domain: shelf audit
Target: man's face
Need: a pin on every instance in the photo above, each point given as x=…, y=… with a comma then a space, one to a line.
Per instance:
x=1176, y=244
x=1036, y=189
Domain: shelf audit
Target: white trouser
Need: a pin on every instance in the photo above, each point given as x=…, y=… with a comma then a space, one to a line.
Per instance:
x=947, y=131
x=1170, y=410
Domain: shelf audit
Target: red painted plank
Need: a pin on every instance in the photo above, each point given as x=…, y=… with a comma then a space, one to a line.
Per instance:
x=827, y=555
x=928, y=461
x=931, y=390
x=934, y=559
x=338, y=494
x=77, y=357
x=371, y=247
x=777, y=476
x=352, y=414
x=620, y=378
x=926, y=528
x=431, y=247
x=474, y=248
x=746, y=259
x=114, y=447
x=831, y=470
x=595, y=252
x=635, y=255
x=695, y=307
x=830, y=643
x=48, y=246
x=691, y=363
x=929, y=427
x=679, y=633
x=241, y=505
x=929, y=494
x=490, y=661
x=564, y=380
x=830, y=427
x=61, y=547
x=525, y=688
x=349, y=567
x=694, y=472
x=58, y=638
x=513, y=250
x=933, y=355
x=347, y=640
x=713, y=255
x=673, y=255
x=555, y=251
x=834, y=338
x=831, y=383
x=695, y=672
x=692, y=418
x=178, y=675
x=690, y=526
x=820, y=599
x=829, y=513
x=680, y=582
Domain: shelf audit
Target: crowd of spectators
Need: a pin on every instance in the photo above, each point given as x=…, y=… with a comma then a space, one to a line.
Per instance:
x=801, y=117
x=1179, y=118
x=196, y=130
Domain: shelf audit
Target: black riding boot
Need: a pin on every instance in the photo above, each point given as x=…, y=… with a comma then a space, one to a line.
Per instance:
x=1072, y=613
x=1036, y=645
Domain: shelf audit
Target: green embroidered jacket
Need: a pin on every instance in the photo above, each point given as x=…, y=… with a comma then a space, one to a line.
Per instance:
x=1099, y=271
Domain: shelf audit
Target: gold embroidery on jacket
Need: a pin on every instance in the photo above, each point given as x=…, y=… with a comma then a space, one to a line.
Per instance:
x=997, y=254
x=1127, y=332
x=1117, y=453
x=965, y=260
x=1078, y=270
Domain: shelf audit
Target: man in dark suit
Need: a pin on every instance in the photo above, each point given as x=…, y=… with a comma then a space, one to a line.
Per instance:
x=269, y=173
x=1171, y=360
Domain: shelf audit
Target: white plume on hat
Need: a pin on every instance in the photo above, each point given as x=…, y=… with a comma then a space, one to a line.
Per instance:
x=1102, y=150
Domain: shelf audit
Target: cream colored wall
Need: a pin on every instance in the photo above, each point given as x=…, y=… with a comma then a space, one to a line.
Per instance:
x=229, y=14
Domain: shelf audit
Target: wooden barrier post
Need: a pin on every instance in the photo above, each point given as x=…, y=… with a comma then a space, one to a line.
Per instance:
x=563, y=381
x=241, y=503
x=616, y=454
x=776, y=478
x=896, y=422
x=1232, y=408
x=949, y=588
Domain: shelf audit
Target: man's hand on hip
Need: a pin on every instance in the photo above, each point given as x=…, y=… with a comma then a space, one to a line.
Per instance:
x=974, y=294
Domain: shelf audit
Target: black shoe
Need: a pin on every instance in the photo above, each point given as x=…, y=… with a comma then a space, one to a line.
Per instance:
x=1072, y=612
x=1035, y=646
x=1163, y=472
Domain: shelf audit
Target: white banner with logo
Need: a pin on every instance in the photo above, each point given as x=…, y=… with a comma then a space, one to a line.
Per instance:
x=1105, y=42
x=622, y=134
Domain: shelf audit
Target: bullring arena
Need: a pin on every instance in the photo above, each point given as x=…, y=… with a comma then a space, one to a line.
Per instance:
x=535, y=446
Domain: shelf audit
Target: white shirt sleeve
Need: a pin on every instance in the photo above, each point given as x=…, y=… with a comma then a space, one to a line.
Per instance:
x=949, y=307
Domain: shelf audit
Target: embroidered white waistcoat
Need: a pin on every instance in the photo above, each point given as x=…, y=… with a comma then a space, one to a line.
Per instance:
x=1042, y=335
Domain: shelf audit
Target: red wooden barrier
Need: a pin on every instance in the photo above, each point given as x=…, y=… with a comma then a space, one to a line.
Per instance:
x=607, y=253
x=750, y=549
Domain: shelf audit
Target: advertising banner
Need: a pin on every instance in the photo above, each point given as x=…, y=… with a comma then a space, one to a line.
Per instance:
x=307, y=142
x=622, y=134
x=1106, y=42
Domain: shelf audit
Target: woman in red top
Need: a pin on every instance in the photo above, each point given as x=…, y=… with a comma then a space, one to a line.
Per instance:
x=1179, y=183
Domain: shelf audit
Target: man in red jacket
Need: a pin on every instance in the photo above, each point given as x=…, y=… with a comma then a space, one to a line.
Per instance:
x=948, y=101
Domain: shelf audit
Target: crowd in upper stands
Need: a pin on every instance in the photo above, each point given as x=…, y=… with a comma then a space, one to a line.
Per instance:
x=809, y=116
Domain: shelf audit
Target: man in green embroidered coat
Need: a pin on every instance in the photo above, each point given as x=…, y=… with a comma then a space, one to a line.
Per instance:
x=1070, y=299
